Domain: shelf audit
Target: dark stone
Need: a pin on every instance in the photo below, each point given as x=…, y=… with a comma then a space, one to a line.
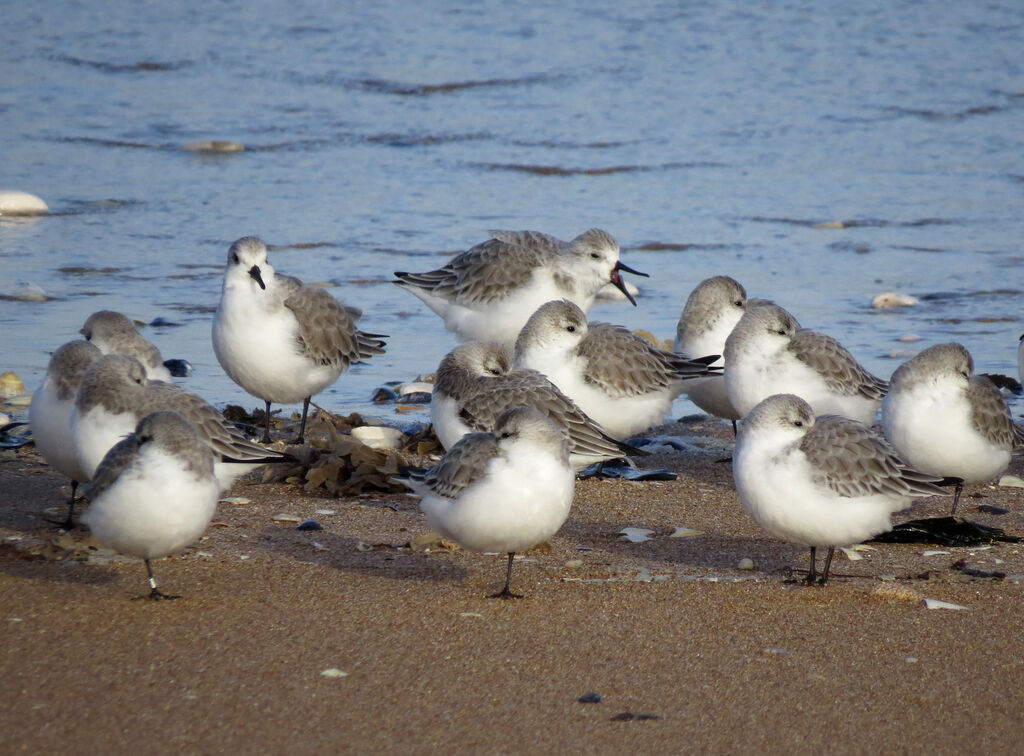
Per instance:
x=179, y=368
x=590, y=698
x=309, y=525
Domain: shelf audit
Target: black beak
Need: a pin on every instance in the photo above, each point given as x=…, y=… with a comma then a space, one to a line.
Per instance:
x=254, y=271
x=619, y=284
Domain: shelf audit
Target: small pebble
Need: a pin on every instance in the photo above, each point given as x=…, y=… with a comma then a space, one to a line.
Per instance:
x=309, y=525
x=910, y=338
x=590, y=698
x=325, y=512
x=333, y=672
x=214, y=145
x=574, y=563
x=993, y=509
x=629, y=716
x=746, y=563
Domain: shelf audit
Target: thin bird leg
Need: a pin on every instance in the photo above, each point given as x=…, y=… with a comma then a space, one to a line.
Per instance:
x=302, y=426
x=735, y=432
x=155, y=594
x=506, y=592
x=828, y=565
x=812, y=573
x=69, y=523
x=266, y=426
x=956, y=497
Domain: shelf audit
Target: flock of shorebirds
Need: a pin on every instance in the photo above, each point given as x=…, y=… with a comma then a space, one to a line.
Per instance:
x=533, y=394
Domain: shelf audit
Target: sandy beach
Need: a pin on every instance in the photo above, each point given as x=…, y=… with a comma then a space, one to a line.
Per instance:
x=684, y=651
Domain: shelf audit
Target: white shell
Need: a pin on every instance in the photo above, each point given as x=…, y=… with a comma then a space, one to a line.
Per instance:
x=379, y=436
x=889, y=299
x=13, y=202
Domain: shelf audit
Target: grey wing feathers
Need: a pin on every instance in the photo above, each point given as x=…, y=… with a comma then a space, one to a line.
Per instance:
x=114, y=463
x=464, y=464
x=223, y=437
x=853, y=461
x=533, y=389
x=640, y=368
x=328, y=334
x=836, y=365
x=485, y=272
x=990, y=415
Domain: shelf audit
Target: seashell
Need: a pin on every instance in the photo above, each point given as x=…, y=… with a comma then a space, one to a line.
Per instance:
x=890, y=299
x=635, y=535
x=29, y=292
x=746, y=563
x=285, y=517
x=937, y=604
x=333, y=672
x=13, y=202
x=415, y=387
x=379, y=436
x=1007, y=481
x=11, y=385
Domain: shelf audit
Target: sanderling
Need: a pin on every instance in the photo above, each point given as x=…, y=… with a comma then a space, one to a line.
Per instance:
x=621, y=380
x=712, y=310
x=115, y=333
x=279, y=340
x=825, y=481
x=49, y=415
x=475, y=383
x=154, y=493
x=769, y=353
x=488, y=292
x=945, y=420
x=115, y=395
x=504, y=491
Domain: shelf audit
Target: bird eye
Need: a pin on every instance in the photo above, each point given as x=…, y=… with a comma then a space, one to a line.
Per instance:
x=738, y=303
x=234, y=258
x=571, y=329
x=781, y=332
x=595, y=255
x=799, y=423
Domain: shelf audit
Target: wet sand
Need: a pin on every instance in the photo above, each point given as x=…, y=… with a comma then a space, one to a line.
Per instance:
x=723, y=659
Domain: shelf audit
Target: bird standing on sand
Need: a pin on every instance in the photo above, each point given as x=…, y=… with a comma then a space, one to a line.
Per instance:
x=504, y=491
x=621, y=380
x=488, y=292
x=475, y=383
x=49, y=415
x=822, y=481
x=769, y=353
x=154, y=493
x=945, y=420
x=278, y=339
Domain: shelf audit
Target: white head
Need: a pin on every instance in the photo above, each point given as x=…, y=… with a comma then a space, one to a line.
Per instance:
x=941, y=362
x=768, y=326
x=715, y=304
x=784, y=416
x=557, y=326
x=521, y=424
x=595, y=262
x=247, y=264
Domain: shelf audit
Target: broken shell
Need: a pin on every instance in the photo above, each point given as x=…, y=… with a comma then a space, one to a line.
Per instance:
x=285, y=517
x=333, y=672
x=680, y=532
x=937, y=604
x=1007, y=481
x=635, y=535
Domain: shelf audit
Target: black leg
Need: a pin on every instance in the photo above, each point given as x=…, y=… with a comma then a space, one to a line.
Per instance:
x=828, y=565
x=155, y=594
x=68, y=523
x=506, y=592
x=812, y=573
x=266, y=426
x=956, y=497
x=734, y=430
x=302, y=426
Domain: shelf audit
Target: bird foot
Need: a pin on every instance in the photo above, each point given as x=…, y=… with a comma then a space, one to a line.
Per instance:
x=156, y=595
x=506, y=594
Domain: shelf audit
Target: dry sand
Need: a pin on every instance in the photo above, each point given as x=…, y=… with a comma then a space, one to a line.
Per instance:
x=727, y=660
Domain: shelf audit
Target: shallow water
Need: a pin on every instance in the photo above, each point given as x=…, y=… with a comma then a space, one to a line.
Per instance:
x=706, y=137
